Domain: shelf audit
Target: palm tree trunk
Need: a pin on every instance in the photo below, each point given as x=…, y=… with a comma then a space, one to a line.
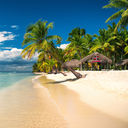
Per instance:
x=63, y=73
x=78, y=75
x=81, y=67
x=115, y=61
x=87, y=66
x=81, y=63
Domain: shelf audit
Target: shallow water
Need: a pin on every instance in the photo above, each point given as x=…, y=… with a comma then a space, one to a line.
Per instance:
x=25, y=105
x=9, y=78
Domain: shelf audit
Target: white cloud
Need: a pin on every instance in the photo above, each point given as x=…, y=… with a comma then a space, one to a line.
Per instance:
x=9, y=54
x=6, y=47
x=11, y=60
x=4, y=36
x=15, y=26
x=63, y=46
x=13, y=53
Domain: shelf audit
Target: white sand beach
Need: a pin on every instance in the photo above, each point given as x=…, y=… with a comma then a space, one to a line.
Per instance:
x=25, y=106
x=98, y=101
x=106, y=91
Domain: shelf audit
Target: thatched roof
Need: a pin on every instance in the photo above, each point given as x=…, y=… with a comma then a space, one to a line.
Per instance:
x=76, y=63
x=103, y=58
x=123, y=62
x=73, y=63
x=93, y=61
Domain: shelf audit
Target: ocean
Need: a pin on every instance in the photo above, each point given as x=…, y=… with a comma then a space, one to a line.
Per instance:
x=10, y=78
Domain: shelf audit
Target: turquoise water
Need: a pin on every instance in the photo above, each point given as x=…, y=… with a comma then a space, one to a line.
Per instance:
x=9, y=78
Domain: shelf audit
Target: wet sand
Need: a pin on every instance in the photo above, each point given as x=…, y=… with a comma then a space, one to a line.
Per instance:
x=77, y=113
x=24, y=106
x=50, y=105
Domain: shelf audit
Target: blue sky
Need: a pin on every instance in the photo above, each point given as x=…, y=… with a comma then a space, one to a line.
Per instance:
x=16, y=15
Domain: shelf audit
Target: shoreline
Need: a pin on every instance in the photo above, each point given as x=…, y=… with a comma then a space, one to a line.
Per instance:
x=112, y=99
x=41, y=102
x=26, y=105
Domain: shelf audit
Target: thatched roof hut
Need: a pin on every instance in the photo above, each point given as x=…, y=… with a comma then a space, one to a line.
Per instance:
x=90, y=58
x=73, y=64
x=76, y=63
x=123, y=62
x=101, y=58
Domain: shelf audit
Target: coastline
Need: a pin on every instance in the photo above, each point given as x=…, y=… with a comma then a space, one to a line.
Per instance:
x=62, y=102
x=106, y=91
x=37, y=85
x=8, y=79
x=27, y=105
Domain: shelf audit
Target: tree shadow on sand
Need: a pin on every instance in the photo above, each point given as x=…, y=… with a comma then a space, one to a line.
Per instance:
x=62, y=81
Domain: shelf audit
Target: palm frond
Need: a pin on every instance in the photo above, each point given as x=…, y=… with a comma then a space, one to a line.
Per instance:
x=30, y=28
x=53, y=37
x=115, y=15
x=50, y=25
x=110, y=5
x=125, y=13
x=122, y=22
x=95, y=48
x=29, y=38
x=126, y=49
x=117, y=4
x=112, y=38
x=29, y=51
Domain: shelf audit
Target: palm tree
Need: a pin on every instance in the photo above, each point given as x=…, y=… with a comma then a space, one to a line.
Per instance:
x=119, y=43
x=37, y=39
x=101, y=42
x=48, y=66
x=122, y=6
x=75, y=48
x=35, y=68
x=111, y=44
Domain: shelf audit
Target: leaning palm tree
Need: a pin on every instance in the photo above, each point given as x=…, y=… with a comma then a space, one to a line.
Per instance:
x=73, y=64
x=122, y=6
x=37, y=39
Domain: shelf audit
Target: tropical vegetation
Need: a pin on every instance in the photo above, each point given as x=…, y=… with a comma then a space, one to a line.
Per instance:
x=111, y=42
x=122, y=13
x=37, y=41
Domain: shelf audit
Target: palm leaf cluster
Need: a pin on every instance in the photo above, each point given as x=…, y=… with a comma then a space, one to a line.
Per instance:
x=37, y=40
x=114, y=45
x=111, y=44
x=122, y=13
x=107, y=42
x=79, y=44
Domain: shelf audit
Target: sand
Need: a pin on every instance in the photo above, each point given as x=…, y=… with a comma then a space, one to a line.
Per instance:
x=25, y=106
x=98, y=101
x=106, y=91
